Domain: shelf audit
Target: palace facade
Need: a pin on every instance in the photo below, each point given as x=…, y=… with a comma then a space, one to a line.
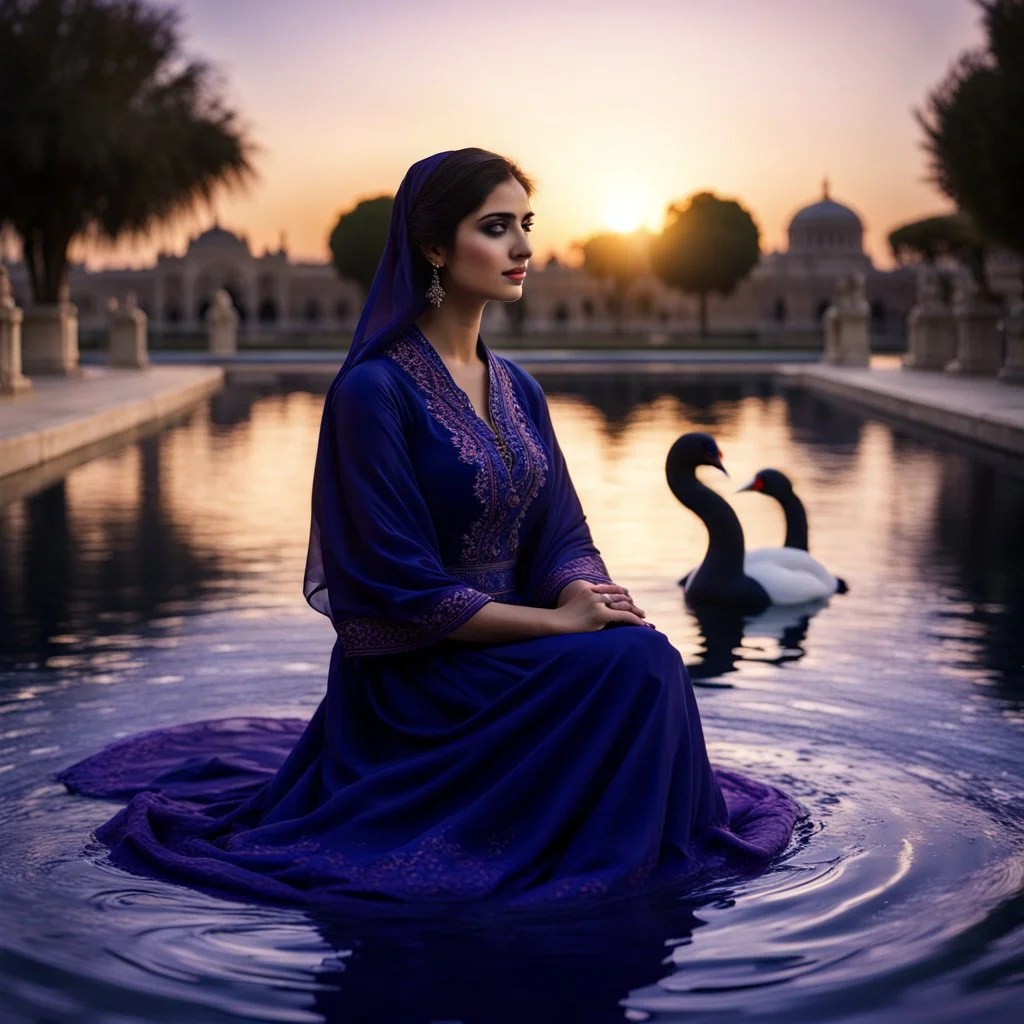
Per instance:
x=787, y=293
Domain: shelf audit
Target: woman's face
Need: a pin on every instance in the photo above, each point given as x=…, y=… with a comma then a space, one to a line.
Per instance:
x=489, y=242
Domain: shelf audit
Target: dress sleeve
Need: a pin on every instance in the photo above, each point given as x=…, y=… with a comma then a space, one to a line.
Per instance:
x=560, y=548
x=388, y=591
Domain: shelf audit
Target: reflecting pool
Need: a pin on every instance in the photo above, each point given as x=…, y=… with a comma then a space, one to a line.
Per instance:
x=161, y=583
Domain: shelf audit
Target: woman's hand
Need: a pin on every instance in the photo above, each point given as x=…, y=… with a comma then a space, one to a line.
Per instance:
x=594, y=605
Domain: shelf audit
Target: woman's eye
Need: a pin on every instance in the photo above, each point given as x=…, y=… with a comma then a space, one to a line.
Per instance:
x=501, y=228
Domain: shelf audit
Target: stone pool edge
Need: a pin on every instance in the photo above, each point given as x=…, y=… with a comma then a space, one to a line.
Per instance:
x=62, y=415
x=978, y=409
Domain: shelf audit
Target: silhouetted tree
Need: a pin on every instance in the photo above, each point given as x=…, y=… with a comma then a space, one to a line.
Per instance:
x=708, y=245
x=106, y=127
x=950, y=236
x=622, y=258
x=931, y=239
x=972, y=124
x=358, y=239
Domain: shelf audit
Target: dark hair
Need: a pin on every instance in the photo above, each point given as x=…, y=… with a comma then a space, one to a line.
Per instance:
x=458, y=185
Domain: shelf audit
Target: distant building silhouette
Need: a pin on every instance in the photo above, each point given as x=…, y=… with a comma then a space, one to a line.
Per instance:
x=270, y=292
x=786, y=293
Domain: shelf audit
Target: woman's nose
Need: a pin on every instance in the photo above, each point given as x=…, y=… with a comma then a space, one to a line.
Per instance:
x=522, y=250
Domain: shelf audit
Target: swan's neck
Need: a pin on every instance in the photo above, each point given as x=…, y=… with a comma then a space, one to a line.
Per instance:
x=725, y=535
x=796, y=522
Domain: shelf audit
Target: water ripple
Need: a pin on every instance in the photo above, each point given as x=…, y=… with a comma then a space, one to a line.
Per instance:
x=893, y=713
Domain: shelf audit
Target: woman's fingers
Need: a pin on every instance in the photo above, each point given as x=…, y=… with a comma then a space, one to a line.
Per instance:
x=622, y=601
x=619, y=602
x=609, y=588
x=624, y=616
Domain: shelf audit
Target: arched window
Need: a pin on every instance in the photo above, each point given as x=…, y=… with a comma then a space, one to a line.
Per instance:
x=779, y=310
x=562, y=313
x=311, y=311
x=267, y=313
x=342, y=309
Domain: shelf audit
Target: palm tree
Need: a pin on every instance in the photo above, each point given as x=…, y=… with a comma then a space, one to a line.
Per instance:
x=106, y=128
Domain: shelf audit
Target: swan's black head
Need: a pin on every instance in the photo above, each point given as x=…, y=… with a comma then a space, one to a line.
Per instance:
x=770, y=482
x=691, y=451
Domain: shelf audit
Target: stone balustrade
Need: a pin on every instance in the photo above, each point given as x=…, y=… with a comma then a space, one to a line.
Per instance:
x=976, y=336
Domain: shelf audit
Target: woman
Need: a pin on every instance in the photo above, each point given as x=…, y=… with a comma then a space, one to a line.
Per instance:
x=500, y=720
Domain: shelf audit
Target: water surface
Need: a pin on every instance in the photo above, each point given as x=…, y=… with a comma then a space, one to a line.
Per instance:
x=161, y=583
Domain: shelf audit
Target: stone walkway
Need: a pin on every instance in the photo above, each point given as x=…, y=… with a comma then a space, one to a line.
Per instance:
x=981, y=409
x=61, y=415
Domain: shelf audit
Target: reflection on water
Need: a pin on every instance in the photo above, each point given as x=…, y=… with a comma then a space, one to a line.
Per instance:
x=775, y=636
x=161, y=583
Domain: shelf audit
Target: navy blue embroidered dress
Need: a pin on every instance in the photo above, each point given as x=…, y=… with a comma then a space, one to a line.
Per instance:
x=436, y=768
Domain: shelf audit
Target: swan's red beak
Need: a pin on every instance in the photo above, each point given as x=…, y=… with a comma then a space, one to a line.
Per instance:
x=717, y=463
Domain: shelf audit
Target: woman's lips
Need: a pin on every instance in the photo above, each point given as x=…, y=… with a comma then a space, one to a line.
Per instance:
x=514, y=275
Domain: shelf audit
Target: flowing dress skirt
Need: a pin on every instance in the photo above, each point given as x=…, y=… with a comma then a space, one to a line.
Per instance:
x=533, y=770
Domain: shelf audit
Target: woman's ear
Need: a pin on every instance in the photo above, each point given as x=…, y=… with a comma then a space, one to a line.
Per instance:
x=434, y=254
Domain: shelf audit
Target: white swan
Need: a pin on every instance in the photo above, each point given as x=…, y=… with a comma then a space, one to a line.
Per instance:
x=789, y=575
x=793, y=555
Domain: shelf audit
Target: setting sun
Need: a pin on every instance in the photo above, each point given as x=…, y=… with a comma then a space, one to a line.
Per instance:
x=624, y=214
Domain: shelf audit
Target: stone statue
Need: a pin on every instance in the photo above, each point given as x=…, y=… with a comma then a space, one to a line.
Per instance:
x=931, y=329
x=6, y=291
x=223, y=308
x=853, y=293
x=965, y=288
x=1013, y=328
x=979, y=346
x=929, y=287
x=847, y=323
x=12, y=380
x=127, y=334
x=222, y=325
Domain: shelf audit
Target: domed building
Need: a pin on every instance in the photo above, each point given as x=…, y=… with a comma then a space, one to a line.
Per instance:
x=273, y=294
x=790, y=290
x=782, y=300
x=785, y=295
x=827, y=229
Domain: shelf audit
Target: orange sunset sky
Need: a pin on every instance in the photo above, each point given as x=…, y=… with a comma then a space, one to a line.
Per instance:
x=615, y=108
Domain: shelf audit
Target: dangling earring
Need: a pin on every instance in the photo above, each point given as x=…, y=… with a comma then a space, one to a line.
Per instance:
x=435, y=293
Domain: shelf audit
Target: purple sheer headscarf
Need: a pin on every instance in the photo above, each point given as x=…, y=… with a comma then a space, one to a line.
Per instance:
x=397, y=295
x=396, y=299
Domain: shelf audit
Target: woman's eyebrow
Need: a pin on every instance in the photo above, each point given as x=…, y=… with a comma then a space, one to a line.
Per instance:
x=505, y=216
